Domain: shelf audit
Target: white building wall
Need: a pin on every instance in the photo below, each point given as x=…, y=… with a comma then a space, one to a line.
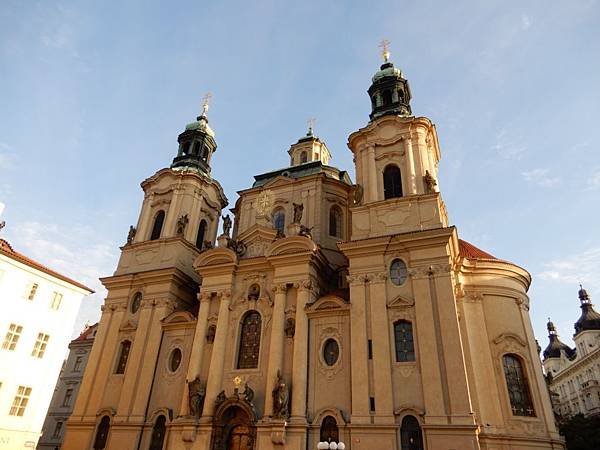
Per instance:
x=19, y=367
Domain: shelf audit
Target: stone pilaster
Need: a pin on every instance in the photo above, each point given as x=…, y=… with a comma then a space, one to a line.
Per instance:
x=300, y=356
x=276, y=345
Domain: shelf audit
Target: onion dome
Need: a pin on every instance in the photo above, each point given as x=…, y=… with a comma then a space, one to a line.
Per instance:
x=196, y=144
x=589, y=319
x=390, y=93
x=556, y=346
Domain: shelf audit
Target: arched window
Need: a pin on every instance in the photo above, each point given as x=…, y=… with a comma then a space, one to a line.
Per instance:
x=123, y=355
x=158, y=433
x=303, y=157
x=517, y=385
x=249, y=341
x=392, y=184
x=201, y=234
x=279, y=220
x=387, y=98
x=335, y=221
x=185, y=148
x=102, y=433
x=411, y=437
x=403, y=336
x=401, y=96
x=329, y=430
x=374, y=101
x=158, y=224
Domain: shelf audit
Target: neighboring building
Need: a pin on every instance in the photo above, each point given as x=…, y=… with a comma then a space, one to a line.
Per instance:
x=335, y=311
x=573, y=375
x=66, y=390
x=39, y=307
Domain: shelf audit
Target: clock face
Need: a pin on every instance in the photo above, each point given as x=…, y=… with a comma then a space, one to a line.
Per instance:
x=398, y=272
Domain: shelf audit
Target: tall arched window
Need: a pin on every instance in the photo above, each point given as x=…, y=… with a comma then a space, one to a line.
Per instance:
x=303, y=157
x=102, y=433
x=392, y=183
x=123, y=355
x=158, y=433
x=387, y=97
x=518, y=387
x=279, y=220
x=403, y=336
x=249, y=341
x=329, y=430
x=335, y=221
x=411, y=437
x=158, y=224
x=201, y=234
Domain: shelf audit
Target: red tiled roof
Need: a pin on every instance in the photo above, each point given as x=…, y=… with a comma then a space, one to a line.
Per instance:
x=469, y=251
x=7, y=250
x=85, y=334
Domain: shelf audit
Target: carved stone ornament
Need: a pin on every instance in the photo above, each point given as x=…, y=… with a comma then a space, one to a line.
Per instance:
x=429, y=182
x=290, y=327
x=357, y=194
x=221, y=397
x=237, y=246
x=427, y=271
x=226, y=225
x=131, y=234
x=181, y=225
x=264, y=202
x=281, y=398
x=211, y=332
x=298, y=209
x=196, y=395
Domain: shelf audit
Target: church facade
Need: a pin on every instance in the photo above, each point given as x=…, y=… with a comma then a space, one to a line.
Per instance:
x=327, y=310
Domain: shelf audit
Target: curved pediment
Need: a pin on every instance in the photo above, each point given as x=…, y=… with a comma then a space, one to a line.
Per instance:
x=215, y=256
x=328, y=303
x=290, y=245
x=510, y=338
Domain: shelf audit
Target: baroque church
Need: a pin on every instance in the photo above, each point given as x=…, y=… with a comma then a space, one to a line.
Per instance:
x=327, y=310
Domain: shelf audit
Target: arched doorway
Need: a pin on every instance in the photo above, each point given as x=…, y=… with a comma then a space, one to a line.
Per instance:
x=233, y=427
x=411, y=437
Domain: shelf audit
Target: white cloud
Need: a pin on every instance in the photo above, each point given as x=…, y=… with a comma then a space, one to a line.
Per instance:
x=507, y=148
x=594, y=181
x=541, y=177
x=579, y=268
x=75, y=252
x=525, y=22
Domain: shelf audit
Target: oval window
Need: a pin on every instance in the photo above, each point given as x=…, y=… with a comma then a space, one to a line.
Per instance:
x=398, y=272
x=136, y=302
x=331, y=352
x=175, y=360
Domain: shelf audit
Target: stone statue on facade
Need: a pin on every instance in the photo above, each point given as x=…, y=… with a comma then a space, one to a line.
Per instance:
x=196, y=395
x=226, y=225
x=298, y=209
x=210, y=333
x=281, y=398
x=358, y=194
x=430, y=183
x=290, y=327
x=220, y=398
x=130, y=234
x=248, y=394
x=181, y=224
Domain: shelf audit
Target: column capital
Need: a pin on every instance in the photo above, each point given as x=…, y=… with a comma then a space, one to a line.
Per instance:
x=377, y=277
x=357, y=279
x=204, y=297
x=305, y=285
x=224, y=294
x=279, y=288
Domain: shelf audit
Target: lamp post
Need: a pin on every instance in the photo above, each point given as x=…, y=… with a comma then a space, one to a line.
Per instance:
x=331, y=446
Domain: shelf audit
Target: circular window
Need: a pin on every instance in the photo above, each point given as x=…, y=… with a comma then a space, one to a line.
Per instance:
x=398, y=272
x=331, y=352
x=136, y=302
x=175, y=360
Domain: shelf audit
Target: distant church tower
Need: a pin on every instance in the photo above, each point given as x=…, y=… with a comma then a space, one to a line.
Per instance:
x=154, y=278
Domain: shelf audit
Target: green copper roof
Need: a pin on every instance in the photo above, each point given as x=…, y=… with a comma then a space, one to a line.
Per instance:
x=304, y=170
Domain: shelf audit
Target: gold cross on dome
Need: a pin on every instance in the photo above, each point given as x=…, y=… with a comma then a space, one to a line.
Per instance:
x=311, y=124
x=385, y=49
x=206, y=103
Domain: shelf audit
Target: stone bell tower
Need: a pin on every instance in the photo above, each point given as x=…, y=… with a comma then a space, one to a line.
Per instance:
x=396, y=157
x=153, y=279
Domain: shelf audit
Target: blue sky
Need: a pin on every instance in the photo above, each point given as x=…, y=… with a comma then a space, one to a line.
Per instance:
x=93, y=96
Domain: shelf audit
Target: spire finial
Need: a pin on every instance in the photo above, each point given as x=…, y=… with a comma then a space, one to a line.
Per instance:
x=311, y=125
x=205, y=103
x=385, y=50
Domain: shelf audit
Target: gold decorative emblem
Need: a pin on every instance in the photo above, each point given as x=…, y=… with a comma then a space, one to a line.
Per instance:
x=238, y=381
x=264, y=202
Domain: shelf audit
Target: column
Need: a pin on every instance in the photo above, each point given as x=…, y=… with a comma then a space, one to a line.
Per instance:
x=372, y=175
x=411, y=182
x=173, y=212
x=300, y=356
x=144, y=224
x=198, y=346
x=276, y=345
x=217, y=360
x=359, y=363
x=382, y=368
x=191, y=231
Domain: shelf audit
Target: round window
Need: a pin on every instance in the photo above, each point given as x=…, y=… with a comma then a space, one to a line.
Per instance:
x=331, y=352
x=398, y=272
x=136, y=302
x=175, y=360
